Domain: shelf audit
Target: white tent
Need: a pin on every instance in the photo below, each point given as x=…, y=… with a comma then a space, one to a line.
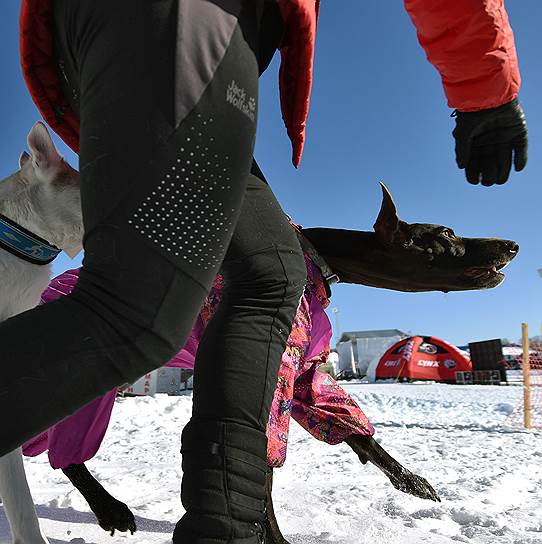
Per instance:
x=357, y=349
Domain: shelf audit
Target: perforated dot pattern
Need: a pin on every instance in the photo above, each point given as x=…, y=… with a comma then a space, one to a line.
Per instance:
x=185, y=214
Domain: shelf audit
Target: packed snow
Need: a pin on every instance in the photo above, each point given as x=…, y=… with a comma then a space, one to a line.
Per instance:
x=488, y=473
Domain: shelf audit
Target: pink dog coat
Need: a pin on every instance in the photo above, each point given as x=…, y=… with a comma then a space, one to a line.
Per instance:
x=311, y=397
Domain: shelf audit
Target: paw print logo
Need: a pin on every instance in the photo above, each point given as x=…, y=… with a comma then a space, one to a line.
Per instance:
x=252, y=104
x=35, y=251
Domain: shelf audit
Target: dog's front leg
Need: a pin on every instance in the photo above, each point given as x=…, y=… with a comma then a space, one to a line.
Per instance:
x=111, y=514
x=17, y=500
x=273, y=534
x=368, y=449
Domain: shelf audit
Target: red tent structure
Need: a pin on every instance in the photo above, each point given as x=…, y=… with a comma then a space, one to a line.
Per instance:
x=422, y=358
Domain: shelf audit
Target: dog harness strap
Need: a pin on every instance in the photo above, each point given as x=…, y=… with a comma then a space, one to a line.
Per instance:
x=329, y=276
x=24, y=244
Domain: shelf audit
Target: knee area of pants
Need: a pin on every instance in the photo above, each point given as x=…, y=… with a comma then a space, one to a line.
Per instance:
x=275, y=270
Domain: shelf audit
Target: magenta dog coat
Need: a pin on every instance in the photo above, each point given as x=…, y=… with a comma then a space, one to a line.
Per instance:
x=312, y=398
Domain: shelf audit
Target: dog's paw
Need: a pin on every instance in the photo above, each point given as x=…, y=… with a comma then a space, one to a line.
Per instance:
x=114, y=515
x=411, y=483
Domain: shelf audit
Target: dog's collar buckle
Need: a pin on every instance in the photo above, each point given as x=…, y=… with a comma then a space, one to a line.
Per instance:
x=333, y=278
x=24, y=244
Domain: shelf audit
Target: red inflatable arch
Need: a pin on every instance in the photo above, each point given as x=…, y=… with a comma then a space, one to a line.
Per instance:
x=422, y=358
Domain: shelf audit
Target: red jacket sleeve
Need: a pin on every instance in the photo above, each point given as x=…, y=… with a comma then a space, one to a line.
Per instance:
x=471, y=44
x=296, y=68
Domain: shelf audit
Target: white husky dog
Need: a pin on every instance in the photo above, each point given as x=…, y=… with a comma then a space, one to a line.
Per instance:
x=40, y=201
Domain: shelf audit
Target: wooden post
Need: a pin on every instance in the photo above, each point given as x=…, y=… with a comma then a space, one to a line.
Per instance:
x=526, y=376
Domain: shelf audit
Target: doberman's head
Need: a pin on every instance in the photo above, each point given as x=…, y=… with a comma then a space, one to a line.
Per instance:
x=412, y=257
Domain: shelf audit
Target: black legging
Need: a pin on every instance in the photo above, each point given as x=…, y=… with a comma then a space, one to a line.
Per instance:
x=166, y=92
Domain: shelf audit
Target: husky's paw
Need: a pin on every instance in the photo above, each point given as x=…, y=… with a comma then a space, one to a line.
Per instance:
x=113, y=515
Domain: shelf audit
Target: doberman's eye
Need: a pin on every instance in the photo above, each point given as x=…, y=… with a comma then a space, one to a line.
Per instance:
x=448, y=233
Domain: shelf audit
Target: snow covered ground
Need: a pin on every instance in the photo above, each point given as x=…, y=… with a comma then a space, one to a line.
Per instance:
x=489, y=476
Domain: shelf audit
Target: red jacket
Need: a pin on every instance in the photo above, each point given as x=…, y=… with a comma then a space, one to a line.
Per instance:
x=470, y=42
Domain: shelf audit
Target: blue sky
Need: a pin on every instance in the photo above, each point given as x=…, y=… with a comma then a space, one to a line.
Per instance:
x=378, y=112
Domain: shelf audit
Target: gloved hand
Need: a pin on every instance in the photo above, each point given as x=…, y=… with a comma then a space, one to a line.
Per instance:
x=485, y=141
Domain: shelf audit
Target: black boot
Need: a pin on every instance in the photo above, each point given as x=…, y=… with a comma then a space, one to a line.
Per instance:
x=223, y=487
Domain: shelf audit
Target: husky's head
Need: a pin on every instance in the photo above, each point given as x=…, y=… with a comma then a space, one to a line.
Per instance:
x=45, y=198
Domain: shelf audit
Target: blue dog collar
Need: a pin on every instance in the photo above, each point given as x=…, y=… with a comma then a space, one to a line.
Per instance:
x=24, y=244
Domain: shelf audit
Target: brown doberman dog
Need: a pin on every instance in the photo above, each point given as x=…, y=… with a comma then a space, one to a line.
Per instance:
x=397, y=255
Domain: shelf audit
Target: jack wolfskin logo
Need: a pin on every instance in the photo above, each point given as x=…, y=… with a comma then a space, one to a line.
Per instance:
x=237, y=97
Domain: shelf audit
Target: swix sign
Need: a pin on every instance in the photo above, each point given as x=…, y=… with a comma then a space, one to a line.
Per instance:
x=422, y=358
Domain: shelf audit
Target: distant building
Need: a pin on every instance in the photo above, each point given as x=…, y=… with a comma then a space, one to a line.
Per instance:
x=331, y=364
x=358, y=348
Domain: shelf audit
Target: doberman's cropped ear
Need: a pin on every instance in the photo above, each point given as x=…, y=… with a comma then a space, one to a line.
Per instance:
x=387, y=225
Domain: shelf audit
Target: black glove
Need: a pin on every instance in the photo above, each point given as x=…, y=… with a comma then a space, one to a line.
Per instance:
x=485, y=140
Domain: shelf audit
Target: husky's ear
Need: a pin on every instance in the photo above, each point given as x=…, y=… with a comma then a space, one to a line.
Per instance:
x=387, y=225
x=23, y=159
x=45, y=157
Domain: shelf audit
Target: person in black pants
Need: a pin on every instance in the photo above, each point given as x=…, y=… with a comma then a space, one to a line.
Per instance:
x=166, y=94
